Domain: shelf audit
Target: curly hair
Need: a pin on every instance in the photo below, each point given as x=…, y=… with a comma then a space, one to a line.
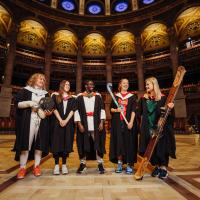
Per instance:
x=32, y=80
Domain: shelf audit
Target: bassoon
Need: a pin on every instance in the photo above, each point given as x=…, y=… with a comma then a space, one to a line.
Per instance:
x=158, y=132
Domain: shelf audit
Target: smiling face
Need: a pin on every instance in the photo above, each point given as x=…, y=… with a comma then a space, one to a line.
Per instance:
x=40, y=82
x=123, y=85
x=66, y=87
x=89, y=86
x=149, y=86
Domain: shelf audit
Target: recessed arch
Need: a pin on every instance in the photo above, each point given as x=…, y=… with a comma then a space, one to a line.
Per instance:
x=154, y=37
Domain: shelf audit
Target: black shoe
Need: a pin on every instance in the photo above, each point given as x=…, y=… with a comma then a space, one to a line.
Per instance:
x=156, y=172
x=82, y=168
x=101, y=168
x=163, y=174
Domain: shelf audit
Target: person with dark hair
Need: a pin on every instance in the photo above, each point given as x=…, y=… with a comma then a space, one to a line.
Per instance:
x=123, y=139
x=150, y=108
x=62, y=126
x=32, y=126
x=90, y=116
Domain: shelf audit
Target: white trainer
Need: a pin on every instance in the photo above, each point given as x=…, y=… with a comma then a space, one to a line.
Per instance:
x=64, y=169
x=56, y=170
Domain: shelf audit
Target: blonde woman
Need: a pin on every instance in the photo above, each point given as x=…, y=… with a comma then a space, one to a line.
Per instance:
x=150, y=108
x=123, y=139
x=32, y=126
x=62, y=135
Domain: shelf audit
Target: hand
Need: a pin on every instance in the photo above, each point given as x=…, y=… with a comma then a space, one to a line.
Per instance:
x=101, y=126
x=130, y=125
x=81, y=127
x=41, y=113
x=54, y=93
x=63, y=123
x=48, y=112
x=32, y=104
x=118, y=110
x=170, y=105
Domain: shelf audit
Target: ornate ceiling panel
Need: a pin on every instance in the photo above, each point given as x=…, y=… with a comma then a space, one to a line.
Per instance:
x=188, y=23
x=123, y=43
x=65, y=42
x=94, y=45
x=155, y=37
x=32, y=33
x=5, y=21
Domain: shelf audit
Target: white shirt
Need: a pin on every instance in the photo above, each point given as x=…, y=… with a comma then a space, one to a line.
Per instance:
x=89, y=107
x=65, y=106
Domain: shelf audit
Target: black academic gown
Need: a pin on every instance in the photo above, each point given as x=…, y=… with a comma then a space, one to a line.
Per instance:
x=62, y=137
x=166, y=145
x=123, y=142
x=85, y=144
x=22, y=129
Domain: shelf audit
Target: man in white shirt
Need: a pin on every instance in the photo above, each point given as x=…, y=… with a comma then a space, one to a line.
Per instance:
x=90, y=116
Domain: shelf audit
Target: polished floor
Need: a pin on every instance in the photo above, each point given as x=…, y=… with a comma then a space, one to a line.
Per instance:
x=183, y=181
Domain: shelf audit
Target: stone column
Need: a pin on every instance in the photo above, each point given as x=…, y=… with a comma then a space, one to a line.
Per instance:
x=48, y=57
x=173, y=49
x=107, y=7
x=79, y=68
x=81, y=7
x=134, y=5
x=11, y=44
x=180, y=104
x=6, y=89
x=108, y=78
x=108, y=62
x=139, y=58
x=54, y=3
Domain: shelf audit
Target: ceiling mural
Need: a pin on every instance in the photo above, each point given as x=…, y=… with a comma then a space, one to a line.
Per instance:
x=188, y=23
x=32, y=33
x=155, y=37
x=65, y=42
x=123, y=43
x=5, y=21
x=94, y=45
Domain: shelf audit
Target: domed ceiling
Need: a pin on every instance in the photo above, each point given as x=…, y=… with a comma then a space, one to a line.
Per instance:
x=5, y=21
x=123, y=43
x=188, y=23
x=32, y=33
x=65, y=42
x=155, y=37
x=94, y=45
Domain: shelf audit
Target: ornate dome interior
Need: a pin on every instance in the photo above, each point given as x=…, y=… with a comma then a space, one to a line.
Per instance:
x=124, y=35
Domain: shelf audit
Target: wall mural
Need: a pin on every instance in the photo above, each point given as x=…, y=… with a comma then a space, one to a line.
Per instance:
x=155, y=37
x=65, y=42
x=5, y=22
x=32, y=33
x=94, y=45
x=123, y=43
x=188, y=23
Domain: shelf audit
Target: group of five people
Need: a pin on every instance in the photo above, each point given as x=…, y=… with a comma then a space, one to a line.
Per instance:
x=39, y=131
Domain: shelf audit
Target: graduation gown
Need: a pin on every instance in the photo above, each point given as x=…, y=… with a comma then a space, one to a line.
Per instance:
x=123, y=142
x=62, y=137
x=166, y=145
x=22, y=128
x=86, y=146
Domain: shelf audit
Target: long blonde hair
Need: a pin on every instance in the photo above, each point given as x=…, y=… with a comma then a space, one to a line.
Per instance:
x=156, y=88
x=32, y=80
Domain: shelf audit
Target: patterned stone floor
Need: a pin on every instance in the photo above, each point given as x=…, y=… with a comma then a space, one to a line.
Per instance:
x=183, y=182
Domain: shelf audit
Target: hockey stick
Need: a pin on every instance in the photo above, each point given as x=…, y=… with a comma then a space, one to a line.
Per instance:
x=109, y=86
